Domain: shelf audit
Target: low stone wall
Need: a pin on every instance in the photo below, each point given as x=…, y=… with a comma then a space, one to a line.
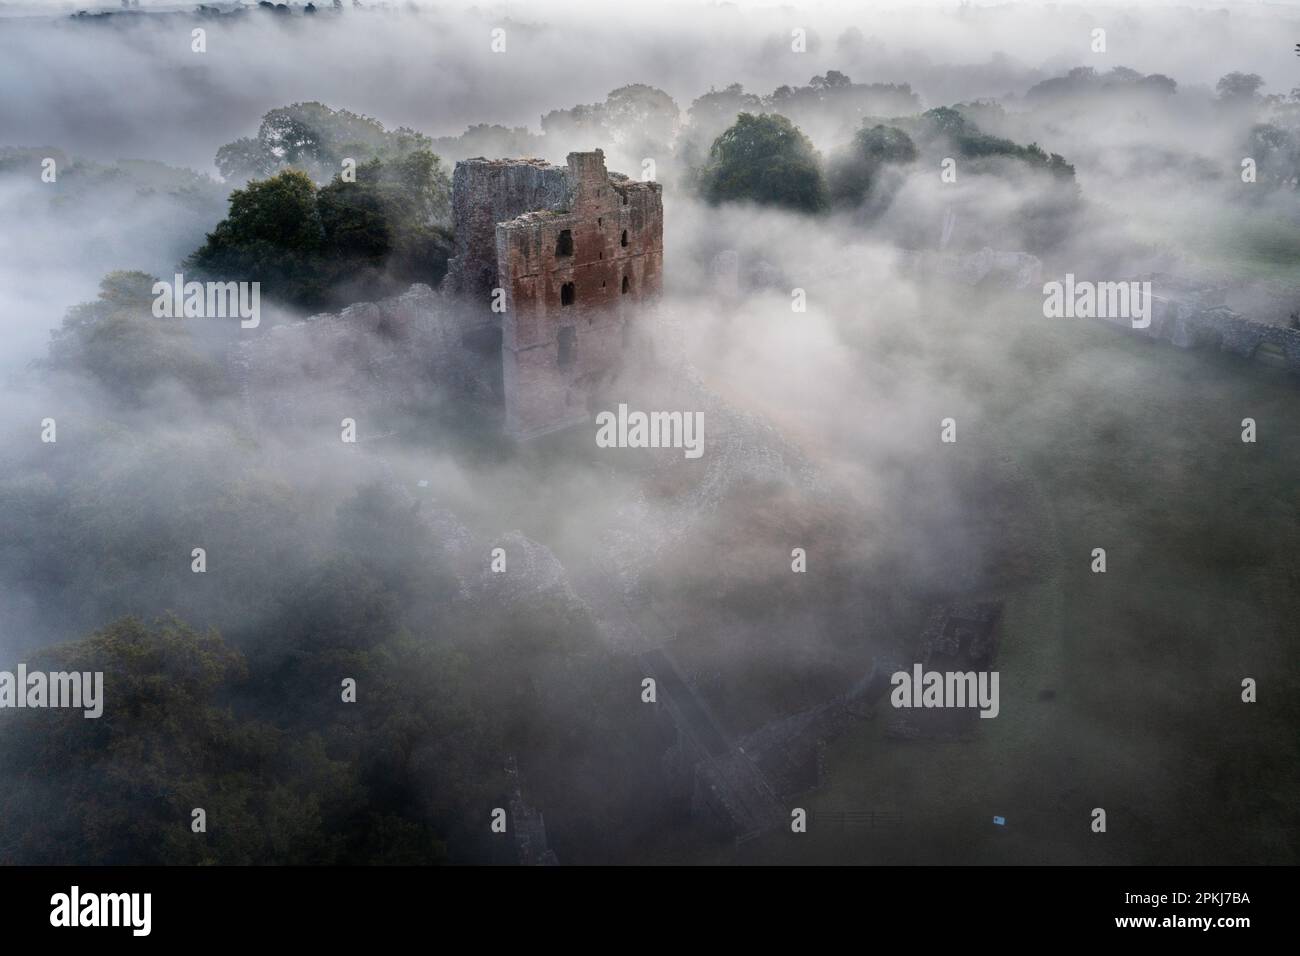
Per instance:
x=1190, y=325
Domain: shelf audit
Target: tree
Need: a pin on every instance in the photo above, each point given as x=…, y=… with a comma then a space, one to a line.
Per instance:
x=1276, y=152
x=314, y=248
x=272, y=234
x=388, y=221
x=581, y=123
x=833, y=79
x=946, y=128
x=121, y=789
x=854, y=169
x=718, y=109
x=118, y=342
x=945, y=121
x=641, y=114
x=1083, y=82
x=1239, y=87
x=638, y=118
x=765, y=159
x=1158, y=83
x=314, y=138
x=708, y=116
x=483, y=139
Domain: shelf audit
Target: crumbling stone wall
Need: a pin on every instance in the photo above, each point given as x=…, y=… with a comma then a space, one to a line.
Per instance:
x=1189, y=323
x=484, y=193
x=577, y=251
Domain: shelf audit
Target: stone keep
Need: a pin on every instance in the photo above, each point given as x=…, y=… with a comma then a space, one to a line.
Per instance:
x=578, y=252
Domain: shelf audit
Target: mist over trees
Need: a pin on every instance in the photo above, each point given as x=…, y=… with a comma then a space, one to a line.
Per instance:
x=347, y=241
x=856, y=168
x=229, y=683
x=118, y=343
x=315, y=139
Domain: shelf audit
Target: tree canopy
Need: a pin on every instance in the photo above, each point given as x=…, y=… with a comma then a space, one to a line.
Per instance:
x=116, y=340
x=316, y=139
x=854, y=169
x=320, y=247
x=767, y=160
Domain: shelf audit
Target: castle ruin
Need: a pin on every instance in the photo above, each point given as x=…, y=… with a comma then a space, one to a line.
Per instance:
x=564, y=257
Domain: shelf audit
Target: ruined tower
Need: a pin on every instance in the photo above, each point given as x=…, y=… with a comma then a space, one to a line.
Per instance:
x=577, y=251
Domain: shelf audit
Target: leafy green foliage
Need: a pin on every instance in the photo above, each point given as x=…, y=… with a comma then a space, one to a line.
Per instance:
x=946, y=126
x=765, y=159
x=272, y=235
x=120, y=789
x=315, y=139
x=254, y=731
x=119, y=343
x=854, y=169
x=346, y=241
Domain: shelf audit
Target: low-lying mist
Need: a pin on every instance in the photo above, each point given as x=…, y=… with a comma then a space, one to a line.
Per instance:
x=826, y=350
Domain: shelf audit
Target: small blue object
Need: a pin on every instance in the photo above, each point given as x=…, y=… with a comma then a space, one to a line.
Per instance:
x=1000, y=821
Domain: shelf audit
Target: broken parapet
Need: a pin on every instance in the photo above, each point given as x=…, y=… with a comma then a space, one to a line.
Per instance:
x=485, y=192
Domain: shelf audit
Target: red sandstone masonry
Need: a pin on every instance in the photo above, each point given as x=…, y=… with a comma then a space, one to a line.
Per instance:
x=577, y=268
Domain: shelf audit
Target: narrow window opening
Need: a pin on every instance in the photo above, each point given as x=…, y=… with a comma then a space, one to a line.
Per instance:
x=624, y=240
x=626, y=285
x=564, y=245
x=566, y=294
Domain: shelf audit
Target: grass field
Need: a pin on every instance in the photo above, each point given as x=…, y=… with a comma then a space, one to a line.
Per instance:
x=1119, y=690
x=1145, y=661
